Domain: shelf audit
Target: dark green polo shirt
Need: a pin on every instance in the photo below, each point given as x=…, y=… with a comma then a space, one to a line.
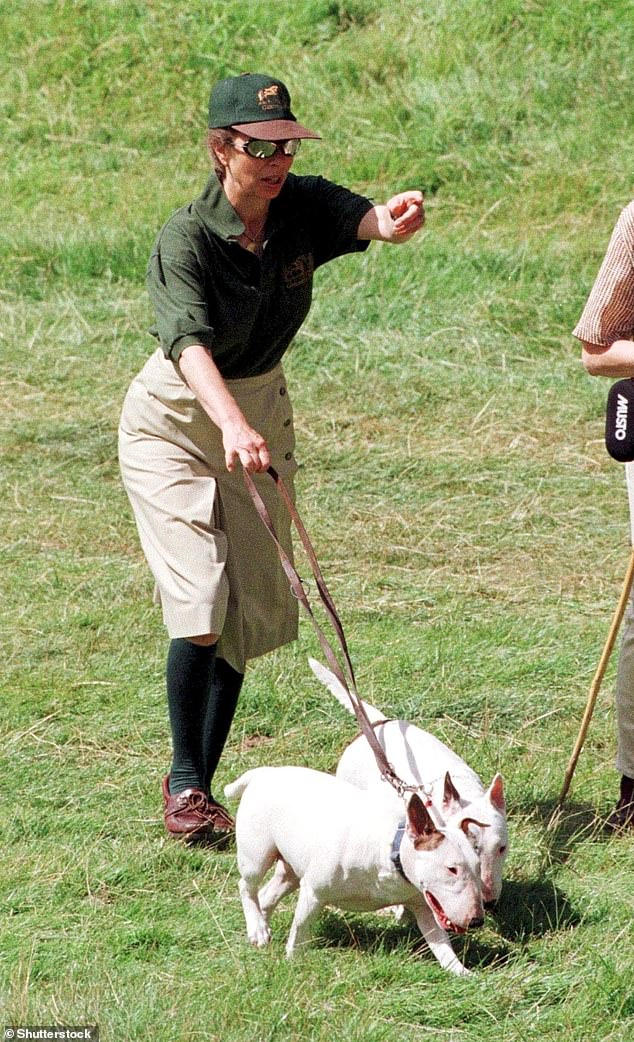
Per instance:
x=206, y=289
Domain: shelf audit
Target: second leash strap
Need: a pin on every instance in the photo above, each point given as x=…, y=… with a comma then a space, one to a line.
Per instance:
x=297, y=588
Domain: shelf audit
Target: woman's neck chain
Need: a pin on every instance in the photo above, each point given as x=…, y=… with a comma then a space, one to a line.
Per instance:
x=254, y=239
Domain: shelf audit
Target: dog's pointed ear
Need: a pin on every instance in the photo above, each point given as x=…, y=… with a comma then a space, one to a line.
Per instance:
x=466, y=822
x=451, y=801
x=495, y=794
x=420, y=825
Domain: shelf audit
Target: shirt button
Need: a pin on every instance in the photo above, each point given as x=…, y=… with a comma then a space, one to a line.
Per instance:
x=289, y=455
x=282, y=390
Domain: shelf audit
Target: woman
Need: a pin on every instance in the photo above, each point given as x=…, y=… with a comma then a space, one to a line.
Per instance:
x=606, y=331
x=230, y=278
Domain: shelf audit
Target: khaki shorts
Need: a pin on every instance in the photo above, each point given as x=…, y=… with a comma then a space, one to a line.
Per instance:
x=215, y=565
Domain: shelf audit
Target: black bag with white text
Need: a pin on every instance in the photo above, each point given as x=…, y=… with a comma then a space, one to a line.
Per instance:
x=619, y=421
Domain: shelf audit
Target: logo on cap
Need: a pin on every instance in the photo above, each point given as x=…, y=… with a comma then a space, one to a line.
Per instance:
x=272, y=98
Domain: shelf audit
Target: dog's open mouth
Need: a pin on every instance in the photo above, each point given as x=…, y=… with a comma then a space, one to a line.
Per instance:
x=443, y=921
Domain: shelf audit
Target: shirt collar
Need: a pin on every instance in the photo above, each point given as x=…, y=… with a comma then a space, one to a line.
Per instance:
x=217, y=212
x=219, y=215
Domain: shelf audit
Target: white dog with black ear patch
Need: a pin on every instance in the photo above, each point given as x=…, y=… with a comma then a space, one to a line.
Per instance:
x=420, y=759
x=342, y=846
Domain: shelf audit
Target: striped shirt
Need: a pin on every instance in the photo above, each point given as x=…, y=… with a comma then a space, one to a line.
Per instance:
x=609, y=311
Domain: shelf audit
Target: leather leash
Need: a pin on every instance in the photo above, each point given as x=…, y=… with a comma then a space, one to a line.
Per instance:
x=297, y=588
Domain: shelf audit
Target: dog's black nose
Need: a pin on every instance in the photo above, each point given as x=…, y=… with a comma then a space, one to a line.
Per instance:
x=473, y=925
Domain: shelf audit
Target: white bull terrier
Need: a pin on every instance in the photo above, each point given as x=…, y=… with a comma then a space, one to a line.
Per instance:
x=420, y=759
x=342, y=846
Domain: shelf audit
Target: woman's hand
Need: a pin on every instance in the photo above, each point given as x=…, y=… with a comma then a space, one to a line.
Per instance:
x=407, y=211
x=396, y=221
x=239, y=440
x=242, y=443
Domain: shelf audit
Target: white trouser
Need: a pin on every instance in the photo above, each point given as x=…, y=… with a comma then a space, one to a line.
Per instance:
x=625, y=672
x=625, y=697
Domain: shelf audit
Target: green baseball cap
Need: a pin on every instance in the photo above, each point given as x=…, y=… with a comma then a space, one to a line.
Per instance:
x=257, y=105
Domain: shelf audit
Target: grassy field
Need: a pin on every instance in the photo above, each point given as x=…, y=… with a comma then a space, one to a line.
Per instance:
x=470, y=525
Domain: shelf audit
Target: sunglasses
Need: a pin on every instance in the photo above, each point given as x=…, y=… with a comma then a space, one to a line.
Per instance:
x=265, y=149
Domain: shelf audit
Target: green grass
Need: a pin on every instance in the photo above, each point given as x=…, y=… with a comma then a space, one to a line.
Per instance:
x=469, y=523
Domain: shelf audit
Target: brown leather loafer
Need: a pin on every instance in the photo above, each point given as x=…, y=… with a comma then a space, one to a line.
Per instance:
x=191, y=816
x=222, y=820
x=186, y=814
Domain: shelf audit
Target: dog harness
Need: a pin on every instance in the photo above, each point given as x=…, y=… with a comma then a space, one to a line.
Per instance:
x=395, y=853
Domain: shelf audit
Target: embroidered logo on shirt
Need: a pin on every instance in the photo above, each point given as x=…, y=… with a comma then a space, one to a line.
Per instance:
x=273, y=97
x=299, y=272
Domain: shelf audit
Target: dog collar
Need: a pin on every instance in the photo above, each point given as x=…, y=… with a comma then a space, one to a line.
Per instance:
x=395, y=853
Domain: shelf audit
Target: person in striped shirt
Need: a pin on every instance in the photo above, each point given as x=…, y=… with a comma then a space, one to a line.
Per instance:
x=606, y=332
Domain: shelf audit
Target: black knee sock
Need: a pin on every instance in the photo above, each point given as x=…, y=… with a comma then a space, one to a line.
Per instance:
x=190, y=678
x=221, y=706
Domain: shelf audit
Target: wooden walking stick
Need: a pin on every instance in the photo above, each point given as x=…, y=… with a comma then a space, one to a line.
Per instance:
x=598, y=677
